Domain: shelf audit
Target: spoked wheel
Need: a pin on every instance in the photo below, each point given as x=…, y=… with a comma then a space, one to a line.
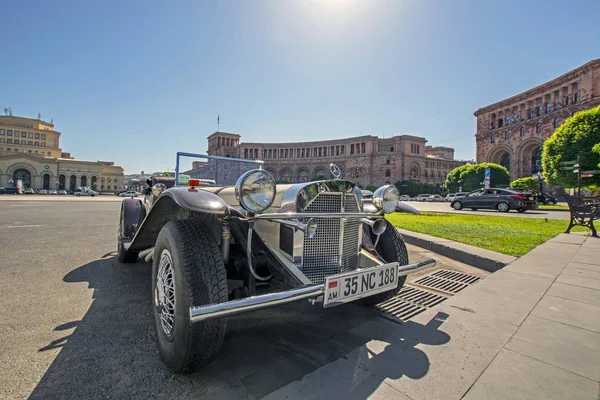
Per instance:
x=188, y=270
x=457, y=205
x=503, y=206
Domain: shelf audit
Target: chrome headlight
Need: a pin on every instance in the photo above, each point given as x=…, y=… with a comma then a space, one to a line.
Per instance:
x=255, y=190
x=386, y=198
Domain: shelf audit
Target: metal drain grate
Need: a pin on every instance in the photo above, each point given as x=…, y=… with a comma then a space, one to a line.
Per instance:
x=407, y=303
x=447, y=281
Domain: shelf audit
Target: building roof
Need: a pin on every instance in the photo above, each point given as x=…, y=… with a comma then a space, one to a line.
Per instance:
x=538, y=89
x=224, y=133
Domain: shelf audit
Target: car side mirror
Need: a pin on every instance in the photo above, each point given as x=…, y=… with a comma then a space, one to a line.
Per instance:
x=158, y=189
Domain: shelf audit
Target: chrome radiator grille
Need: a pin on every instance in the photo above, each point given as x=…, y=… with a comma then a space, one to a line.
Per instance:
x=335, y=247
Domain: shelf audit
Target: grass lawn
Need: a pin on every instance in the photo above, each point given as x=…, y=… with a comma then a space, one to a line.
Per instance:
x=509, y=235
x=554, y=207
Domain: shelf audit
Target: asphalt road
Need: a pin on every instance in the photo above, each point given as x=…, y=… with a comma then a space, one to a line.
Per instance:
x=445, y=207
x=77, y=324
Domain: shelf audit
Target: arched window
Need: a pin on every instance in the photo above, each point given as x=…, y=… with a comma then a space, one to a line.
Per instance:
x=388, y=173
x=83, y=181
x=555, y=123
x=303, y=176
x=286, y=175
x=61, y=182
x=46, y=182
x=48, y=153
x=505, y=161
x=94, y=182
x=414, y=172
x=72, y=183
x=426, y=173
x=536, y=160
x=439, y=174
x=507, y=135
x=522, y=131
x=538, y=127
x=320, y=173
x=493, y=138
x=24, y=176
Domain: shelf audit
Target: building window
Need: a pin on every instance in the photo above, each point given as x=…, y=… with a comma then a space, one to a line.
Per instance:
x=23, y=134
x=1, y=132
x=387, y=161
x=566, y=101
x=363, y=147
x=548, y=108
x=506, y=120
x=352, y=148
x=538, y=127
x=37, y=135
x=342, y=149
x=48, y=153
x=515, y=118
x=9, y=132
x=324, y=151
x=575, y=97
x=36, y=152
x=522, y=132
x=493, y=125
x=8, y=149
x=555, y=123
x=531, y=113
x=426, y=173
x=245, y=153
x=29, y=151
x=9, y=141
x=507, y=135
x=24, y=142
x=388, y=173
x=1, y=140
x=30, y=135
x=539, y=111
x=29, y=143
x=493, y=139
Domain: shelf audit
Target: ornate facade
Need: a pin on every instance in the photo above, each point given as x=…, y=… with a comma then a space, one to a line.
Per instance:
x=30, y=154
x=512, y=132
x=366, y=160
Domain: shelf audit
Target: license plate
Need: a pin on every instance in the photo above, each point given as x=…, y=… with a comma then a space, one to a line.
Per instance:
x=354, y=285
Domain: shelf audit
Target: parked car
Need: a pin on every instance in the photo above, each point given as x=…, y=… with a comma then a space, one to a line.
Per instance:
x=435, y=198
x=450, y=197
x=42, y=191
x=502, y=200
x=85, y=192
x=129, y=193
x=546, y=199
x=12, y=191
x=52, y=191
x=313, y=240
x=29, y=191
x=62, y=192
x=423, y=197
x=405, y=198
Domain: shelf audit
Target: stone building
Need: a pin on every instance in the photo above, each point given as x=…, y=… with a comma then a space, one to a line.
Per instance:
x=366, y=160
x=30, y=153
x=511, y=132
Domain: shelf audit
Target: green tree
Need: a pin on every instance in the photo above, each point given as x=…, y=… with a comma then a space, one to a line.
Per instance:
x=574, y=138
x=372, y=188
x=525, y=183
x=470, y=177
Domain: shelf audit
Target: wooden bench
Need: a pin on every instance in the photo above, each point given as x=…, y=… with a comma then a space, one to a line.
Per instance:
x=584, y=210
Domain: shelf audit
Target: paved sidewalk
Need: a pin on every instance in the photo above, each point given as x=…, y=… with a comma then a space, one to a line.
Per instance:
x=529, y=331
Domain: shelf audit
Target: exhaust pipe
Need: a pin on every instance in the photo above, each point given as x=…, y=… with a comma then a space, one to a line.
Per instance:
x=234, y=307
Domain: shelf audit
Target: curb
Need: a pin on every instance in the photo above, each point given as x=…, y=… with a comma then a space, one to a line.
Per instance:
x=480, y=258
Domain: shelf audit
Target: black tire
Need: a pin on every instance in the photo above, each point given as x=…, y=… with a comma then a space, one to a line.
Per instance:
x=503, y=206
x=521, y=210
x=457, y=205
x=199, y=278
x=474, y=209
x=391, y=248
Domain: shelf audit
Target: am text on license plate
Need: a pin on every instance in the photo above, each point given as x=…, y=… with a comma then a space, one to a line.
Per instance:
x=358, y=284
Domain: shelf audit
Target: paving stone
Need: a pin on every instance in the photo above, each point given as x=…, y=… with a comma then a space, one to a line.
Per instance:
x=507, y=296
x=593, y=259
x=566, y=238
x=573, y=349
x=580, y=277
x=591, y=267
x=517, y=377
x=437, y=355
x=576, y=293
x=582, y=315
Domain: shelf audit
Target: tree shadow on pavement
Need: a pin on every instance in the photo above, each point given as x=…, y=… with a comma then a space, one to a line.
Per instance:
x=112, y=351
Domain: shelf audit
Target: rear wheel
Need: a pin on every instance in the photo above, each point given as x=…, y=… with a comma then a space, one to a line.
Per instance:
x=188, y=270
x=391, y=248
x=503, y=206
x=457, y=205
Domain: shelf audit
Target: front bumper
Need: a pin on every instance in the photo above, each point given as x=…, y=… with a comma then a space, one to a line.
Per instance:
x=230, y=308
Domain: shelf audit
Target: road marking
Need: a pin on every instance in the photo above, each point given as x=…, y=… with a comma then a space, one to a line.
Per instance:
x=23, y=226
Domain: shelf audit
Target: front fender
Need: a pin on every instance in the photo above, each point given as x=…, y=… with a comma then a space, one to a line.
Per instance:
x=133, y=213
x=180, y=203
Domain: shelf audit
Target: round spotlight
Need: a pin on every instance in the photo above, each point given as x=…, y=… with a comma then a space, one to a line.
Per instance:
x=386, y=198
x=255, y=190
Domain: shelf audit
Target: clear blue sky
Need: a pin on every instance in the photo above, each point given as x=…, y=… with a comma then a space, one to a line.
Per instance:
x=135, y=81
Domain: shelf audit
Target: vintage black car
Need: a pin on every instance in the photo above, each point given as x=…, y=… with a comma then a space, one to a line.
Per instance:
x=502, y=200
x=211, y=245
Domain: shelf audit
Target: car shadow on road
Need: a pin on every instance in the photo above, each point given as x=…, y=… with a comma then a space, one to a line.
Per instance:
x=112, y=351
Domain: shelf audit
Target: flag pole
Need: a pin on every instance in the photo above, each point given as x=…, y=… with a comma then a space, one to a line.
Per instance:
x=218, y=121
